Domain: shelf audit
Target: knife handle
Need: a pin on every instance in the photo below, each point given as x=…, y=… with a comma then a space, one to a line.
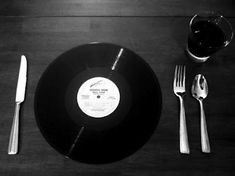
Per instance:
x=13, y=142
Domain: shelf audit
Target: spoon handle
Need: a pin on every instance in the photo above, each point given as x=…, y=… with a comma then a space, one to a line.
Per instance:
x=184, y=146
x=205, y=144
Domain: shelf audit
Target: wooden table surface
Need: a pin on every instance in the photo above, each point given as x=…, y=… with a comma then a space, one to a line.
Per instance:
x=157, y=31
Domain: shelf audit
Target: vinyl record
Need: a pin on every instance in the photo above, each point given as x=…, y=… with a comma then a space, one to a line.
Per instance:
x=98, y=103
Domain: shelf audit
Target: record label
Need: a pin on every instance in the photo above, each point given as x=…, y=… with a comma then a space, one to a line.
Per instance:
x=98, y=97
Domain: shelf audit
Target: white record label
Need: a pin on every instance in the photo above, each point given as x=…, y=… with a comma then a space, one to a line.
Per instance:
x=98, y=97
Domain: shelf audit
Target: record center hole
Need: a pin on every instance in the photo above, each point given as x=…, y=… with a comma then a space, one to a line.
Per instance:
x=98, y=96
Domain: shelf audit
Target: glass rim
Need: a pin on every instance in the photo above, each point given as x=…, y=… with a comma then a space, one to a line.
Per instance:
x=213, y=13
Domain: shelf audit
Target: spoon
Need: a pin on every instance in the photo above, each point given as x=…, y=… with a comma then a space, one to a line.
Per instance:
x=200, y=92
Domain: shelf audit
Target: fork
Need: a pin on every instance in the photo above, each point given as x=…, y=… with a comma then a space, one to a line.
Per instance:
x=179, y=90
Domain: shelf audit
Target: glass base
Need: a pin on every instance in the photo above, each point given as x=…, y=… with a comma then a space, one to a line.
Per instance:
x=196, y=58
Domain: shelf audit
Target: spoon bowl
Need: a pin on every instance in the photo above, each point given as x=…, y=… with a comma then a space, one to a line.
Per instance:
x=199, y=87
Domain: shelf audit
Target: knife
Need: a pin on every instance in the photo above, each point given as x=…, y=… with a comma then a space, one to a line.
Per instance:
x=20, y=94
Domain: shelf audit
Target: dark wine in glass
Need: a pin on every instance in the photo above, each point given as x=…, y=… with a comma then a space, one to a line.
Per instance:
x=205, y=38
x=208, y=34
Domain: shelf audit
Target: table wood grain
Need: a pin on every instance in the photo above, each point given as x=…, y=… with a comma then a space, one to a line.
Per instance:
x=113, y=7
x=157, y=31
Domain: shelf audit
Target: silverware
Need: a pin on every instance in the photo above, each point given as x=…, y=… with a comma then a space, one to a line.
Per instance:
x=200, y=91
x=179, y=90
x=20, y=94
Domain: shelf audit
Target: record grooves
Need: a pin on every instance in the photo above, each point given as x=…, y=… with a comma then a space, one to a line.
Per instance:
x=75, y=141
x=98, y=103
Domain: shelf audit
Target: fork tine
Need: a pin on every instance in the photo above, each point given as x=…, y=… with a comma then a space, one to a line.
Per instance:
x=179, y=76
x=184, y=76
x=175, y=77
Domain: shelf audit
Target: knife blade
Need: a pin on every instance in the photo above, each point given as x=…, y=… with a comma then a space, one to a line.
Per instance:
x=20, y=90
x=20, y=96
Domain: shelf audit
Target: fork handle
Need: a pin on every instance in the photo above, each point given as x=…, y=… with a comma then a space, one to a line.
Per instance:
x=205, y=144
x=13, y=142
x=184, y=146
